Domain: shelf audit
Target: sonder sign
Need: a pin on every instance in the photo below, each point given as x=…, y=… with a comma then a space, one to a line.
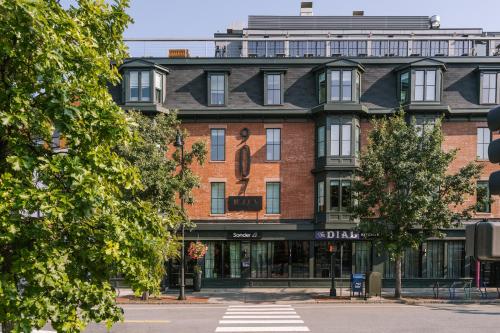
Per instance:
x=244, y=235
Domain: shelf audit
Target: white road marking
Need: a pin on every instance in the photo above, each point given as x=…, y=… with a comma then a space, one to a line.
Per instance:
x=263, y=317
x=256, y=312
x=263, y=329
x=279, y=318
x=262, y=306
x=258, y=309
x=259, y=321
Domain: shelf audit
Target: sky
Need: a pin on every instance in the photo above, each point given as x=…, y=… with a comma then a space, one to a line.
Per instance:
x=201, y=18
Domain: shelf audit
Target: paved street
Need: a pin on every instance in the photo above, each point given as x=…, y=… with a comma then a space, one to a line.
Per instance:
x=318, y=318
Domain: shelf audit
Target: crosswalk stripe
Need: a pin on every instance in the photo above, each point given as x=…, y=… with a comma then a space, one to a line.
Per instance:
x=263, y=329
x=262, y=306
x=263, y=317
x=245, y=312
x=257, y=309
x=261, y=321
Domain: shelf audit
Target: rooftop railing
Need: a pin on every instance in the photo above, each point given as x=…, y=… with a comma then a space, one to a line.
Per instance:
x=282, y=47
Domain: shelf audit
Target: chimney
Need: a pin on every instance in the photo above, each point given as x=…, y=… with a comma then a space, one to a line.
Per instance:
x=358, y=13
x=306, y=8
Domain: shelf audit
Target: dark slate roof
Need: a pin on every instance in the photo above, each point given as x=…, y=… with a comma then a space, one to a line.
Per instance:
x=186, y=85
x=268, y=22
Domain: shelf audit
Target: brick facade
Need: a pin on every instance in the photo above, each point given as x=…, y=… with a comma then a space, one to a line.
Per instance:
x=293, y=171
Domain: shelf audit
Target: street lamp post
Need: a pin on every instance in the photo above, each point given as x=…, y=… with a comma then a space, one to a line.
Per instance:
x=179, y=143
x=333, y=290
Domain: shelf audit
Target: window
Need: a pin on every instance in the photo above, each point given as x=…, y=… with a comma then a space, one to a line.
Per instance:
x=299, y=259
x=273, y=144
x=321, y=197
x=427, y=48
x=424, y=124
x=483, y=141
x=139, y=86
x=218, y=198
x=257, y=48
x=357, y=143
x=434, y=259
x=273, y=89
x=348, y=48
x=384, y=48
x=309, y=48
x=340, y=194
x=275, y=48
x=273, y=198
x=488, y=88
x=425, y=85
x=340, y=140
x=341, y=85
x=321, y=141
x=334, y=194
x=456, y=258
x=217, y=89
x=217, y=144
x=462, y=47
x=322, y=87
x=270, y=48
x=158, y=88
x=404, y=88
x=483, y=197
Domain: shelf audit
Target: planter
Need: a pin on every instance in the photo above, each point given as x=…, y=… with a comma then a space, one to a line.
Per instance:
x=197, y=281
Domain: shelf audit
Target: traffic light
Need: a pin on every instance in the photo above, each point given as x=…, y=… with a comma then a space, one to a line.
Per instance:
x=494, y=149
x=482, y=240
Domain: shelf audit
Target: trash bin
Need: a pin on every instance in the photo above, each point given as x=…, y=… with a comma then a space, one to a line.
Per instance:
x=357, y=281
x=374, y=284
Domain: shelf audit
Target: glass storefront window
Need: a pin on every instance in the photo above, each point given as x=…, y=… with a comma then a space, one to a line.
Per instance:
x=279, y=259
x=232, y=260
x=300, y=259
x=362, y=257
x=260, y=260
x=456, y=258
x=434, y=256
x=213, y=259
x=342, y=259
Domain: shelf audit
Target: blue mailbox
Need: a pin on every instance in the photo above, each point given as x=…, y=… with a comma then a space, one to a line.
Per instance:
x=357, y=281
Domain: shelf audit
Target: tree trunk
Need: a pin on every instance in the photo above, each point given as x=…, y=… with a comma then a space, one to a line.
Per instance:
x=145, y=296
x=7, y=326
x=397, y=277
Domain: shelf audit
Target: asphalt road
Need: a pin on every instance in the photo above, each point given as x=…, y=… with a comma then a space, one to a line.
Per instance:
x=317, y=318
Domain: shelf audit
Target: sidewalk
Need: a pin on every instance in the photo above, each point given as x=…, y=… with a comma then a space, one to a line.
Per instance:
x=321, y=295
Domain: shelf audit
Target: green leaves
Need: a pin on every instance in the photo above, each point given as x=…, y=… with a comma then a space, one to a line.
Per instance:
x=404, y=191
x=69, y=219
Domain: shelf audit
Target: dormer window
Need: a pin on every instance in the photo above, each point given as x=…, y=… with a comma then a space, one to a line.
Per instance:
x=143, y=86
x=339, y=82
x=274, y=85
x=158, y=88
x=217, y=82
x=341, y=85
x=425, y=85
x=420, y=82
x=139, y=86
x=489, y=88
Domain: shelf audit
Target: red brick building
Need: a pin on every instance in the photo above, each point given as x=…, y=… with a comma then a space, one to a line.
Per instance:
x=284, y=112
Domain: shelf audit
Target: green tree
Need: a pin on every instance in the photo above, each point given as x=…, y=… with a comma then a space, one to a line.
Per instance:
x=404, y=192
x=67, y=220
x=160, y=170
